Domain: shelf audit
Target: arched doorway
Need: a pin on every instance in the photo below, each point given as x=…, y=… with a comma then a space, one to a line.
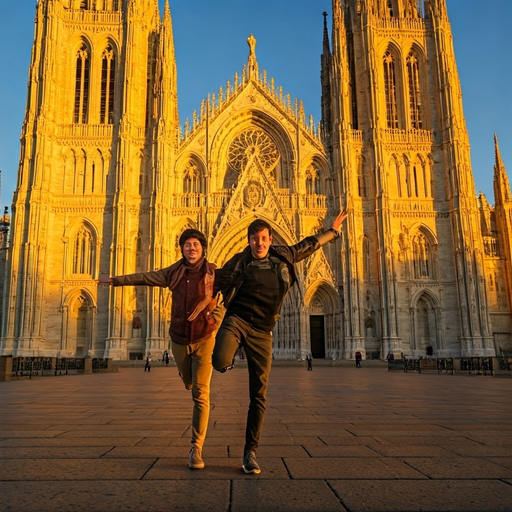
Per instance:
x=323, y=308
x=79, y=322
x=317, y=336
x=426, y=321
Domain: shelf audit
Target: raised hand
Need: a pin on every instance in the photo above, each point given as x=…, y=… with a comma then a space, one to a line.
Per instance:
x=336, y=223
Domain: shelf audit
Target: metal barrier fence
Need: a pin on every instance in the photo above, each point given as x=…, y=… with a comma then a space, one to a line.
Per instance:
x=33, y=366
x=453, y=365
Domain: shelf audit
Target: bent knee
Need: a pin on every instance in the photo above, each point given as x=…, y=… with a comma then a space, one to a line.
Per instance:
x=222, y=366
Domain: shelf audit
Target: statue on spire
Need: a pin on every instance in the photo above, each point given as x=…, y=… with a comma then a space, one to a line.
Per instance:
x=252, y=65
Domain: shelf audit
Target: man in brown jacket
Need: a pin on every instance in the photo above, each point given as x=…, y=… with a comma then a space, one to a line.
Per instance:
x=192, y=325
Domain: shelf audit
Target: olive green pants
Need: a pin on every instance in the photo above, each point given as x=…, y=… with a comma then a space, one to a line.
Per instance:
x=194, y=363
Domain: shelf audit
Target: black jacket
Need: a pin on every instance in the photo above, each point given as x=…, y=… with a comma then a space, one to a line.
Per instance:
x=230, y=278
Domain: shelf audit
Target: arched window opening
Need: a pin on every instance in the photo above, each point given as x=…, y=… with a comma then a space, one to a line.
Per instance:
x=108, y=74
x=141, y=183
x=408, y=179
x=83, y=252
x=415, y=178
x=426, y=187
x=390, y=90
x=398, y=178
x=82, y=84
x=312, y=180
x=414, y=91
x=93, y=175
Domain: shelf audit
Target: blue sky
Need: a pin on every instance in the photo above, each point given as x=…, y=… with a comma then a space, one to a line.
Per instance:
x=210, y=40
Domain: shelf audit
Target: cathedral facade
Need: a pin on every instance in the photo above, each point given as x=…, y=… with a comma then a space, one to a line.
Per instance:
x=109, y=179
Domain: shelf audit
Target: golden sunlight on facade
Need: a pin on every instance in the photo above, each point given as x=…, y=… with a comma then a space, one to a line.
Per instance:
x=109, y=179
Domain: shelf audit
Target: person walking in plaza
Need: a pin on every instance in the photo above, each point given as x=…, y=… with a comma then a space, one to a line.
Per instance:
x=254, y=284
x=148, y=363
x=193, y=325
x=358, y=359
x=309, y=359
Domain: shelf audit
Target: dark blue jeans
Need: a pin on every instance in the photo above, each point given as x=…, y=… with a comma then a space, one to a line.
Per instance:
x=258, y=351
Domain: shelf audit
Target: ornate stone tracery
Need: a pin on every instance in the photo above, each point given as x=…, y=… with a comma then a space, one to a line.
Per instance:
x=249, y=145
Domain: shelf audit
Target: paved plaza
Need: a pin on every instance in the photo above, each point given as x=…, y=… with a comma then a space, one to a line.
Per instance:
x=334, y=439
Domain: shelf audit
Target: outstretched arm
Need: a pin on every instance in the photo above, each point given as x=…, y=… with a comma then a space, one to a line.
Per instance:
x=309, y=245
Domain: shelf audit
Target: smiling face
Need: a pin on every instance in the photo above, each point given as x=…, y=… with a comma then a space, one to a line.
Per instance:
x=192, y=250
x=260, y=243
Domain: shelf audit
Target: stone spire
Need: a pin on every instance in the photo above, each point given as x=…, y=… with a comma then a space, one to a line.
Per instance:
x=502, y=193
x=325, y=79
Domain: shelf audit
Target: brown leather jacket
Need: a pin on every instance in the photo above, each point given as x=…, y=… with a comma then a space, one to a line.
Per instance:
x=186, y=294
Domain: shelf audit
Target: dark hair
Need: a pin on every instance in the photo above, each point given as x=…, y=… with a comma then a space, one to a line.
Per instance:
x=257, y=225
x=193, y=233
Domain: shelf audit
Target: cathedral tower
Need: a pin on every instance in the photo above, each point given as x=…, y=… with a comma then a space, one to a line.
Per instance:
x=87, y=186
x=414, y=260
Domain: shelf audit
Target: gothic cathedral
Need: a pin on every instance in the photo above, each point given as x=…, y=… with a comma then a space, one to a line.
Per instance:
x=109, y=179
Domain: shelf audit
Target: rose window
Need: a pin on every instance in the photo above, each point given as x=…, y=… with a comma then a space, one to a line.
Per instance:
x=249, y=145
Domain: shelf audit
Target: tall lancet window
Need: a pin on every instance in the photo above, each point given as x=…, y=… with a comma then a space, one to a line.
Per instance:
x=83, y=252
x=108, y=75
x=414, y=91
x=390, y=90
x=82, y=84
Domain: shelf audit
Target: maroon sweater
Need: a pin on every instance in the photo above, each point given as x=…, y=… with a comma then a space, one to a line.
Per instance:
x=186, y=294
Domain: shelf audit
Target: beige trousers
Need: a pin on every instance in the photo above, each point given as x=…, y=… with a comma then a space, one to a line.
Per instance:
x=194, y=363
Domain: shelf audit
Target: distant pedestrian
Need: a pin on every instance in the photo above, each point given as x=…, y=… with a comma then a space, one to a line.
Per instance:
x=358, y=359
x=309, y=359
x=166, y=358
x=390, y=356
x=148, y=363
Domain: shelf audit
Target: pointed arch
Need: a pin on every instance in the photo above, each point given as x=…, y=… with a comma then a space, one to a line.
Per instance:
x=424, y=253
x=391, y=86
x=427, y=320
x=82, y=82
x=108, y=82
x=79, y=309
x=412, y=62
x=82, y=256
x=255, y=137
x=322, y=304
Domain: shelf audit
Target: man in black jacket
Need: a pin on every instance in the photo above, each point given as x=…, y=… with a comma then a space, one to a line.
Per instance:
x=254, y=284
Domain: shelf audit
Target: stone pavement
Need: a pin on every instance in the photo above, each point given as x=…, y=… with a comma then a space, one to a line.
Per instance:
x=335, y=439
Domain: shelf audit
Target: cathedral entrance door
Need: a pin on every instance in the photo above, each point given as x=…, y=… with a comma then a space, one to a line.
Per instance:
x=317, y=336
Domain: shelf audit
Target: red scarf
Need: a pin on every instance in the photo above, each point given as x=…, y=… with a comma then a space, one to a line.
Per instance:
x=177, y=271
